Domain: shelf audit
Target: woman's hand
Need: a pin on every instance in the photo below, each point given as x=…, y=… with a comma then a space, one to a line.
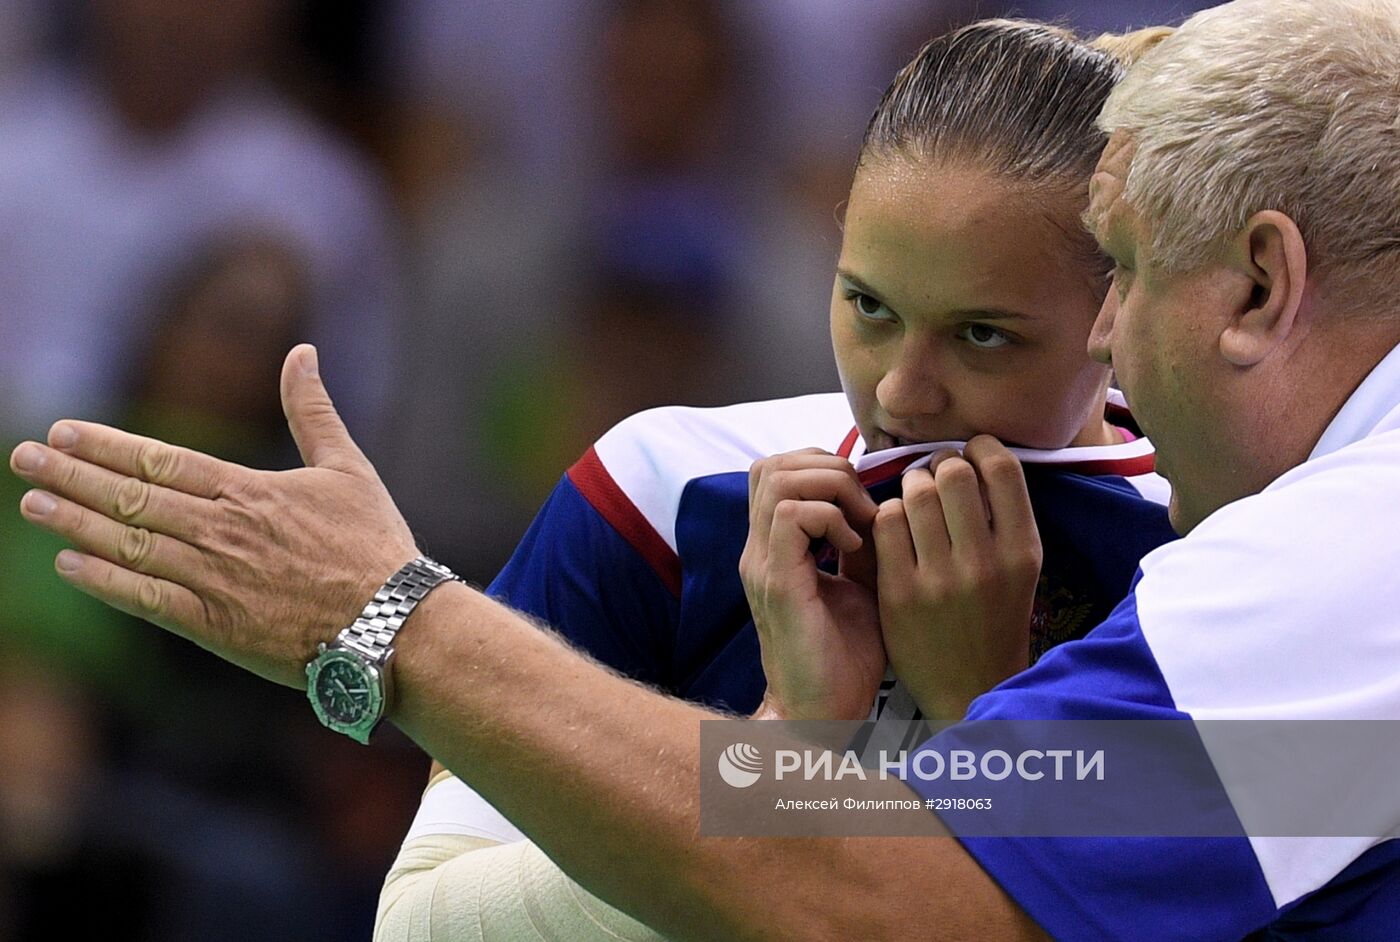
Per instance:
x=959, y=559
x=819, y=633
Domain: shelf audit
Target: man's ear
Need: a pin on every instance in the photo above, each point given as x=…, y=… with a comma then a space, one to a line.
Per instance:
x=1270, y=252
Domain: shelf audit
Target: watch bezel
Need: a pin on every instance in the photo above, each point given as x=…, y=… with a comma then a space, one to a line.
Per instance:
x=374, y=675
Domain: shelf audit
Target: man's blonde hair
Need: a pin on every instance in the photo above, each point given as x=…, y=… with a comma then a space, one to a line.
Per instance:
x=1290, y=105
x=1128, y=48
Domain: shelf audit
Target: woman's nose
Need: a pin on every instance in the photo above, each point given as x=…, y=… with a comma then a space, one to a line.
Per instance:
x=912, y=391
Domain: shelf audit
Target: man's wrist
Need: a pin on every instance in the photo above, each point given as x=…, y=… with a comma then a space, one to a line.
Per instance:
x=424, y=652
x=350, y=682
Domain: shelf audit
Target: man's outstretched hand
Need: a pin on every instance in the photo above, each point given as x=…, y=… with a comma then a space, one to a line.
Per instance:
x=257, y=566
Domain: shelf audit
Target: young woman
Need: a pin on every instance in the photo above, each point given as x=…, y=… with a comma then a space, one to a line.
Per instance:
x=961, y=306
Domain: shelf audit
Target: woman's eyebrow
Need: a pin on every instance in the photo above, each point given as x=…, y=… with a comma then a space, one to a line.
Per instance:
x=856, y=282
x=994, y=314
x=968, y=314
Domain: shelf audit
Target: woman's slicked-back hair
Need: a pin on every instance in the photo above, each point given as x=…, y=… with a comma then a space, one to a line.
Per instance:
x=1013, y=98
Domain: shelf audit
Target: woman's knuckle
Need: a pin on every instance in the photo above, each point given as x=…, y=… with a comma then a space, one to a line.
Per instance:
x=787, y=510
x=976, y=570
x=929, y=596
x=889, y=512
x=923, y=498
x=954, y=470
x=1027, y=561
x=1002, y=467
x=916, y=482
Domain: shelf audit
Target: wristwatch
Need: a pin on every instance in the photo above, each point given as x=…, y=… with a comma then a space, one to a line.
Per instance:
x=349, y=681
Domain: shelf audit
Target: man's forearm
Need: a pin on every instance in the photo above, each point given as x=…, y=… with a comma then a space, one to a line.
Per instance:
x=604, y=775
x=601, y=773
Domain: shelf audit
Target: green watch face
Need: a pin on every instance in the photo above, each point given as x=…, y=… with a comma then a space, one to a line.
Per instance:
x=344, y=691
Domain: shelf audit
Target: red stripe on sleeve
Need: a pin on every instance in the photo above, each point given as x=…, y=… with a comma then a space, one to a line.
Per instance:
x=603, y=494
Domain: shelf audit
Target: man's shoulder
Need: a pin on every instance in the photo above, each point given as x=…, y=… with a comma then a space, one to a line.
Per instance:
x=1278, y=601
x=1330, y=508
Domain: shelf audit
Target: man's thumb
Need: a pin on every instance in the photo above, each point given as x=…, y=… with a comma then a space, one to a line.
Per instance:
x=316, y=426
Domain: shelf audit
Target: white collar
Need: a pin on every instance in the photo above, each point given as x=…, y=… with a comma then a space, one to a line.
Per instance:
x=1368, y=408
x=1127, y=459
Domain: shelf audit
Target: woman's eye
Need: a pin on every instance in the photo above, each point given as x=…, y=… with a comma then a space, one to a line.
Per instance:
x=871, y=308
x=983, y=337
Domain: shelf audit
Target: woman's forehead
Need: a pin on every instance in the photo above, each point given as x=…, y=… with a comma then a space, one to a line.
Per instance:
x=950, y=238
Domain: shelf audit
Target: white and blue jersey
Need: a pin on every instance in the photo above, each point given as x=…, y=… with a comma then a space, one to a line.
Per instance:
x=634, y=558
x=1284, y=605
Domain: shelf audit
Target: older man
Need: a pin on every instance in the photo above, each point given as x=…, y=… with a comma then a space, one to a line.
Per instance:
x=1251, y=198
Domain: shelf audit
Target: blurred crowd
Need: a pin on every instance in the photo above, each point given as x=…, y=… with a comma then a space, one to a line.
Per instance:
x=505, y=223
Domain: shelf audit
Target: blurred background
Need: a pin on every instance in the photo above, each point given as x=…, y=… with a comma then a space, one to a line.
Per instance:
x=506, y=223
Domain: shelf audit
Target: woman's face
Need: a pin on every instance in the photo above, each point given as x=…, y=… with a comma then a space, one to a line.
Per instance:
x=962, y=306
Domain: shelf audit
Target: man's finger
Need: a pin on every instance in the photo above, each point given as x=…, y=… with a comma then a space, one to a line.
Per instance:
x=315, y=424
x=161, y=602
x=1004, y=482
x=125, y=499
x=134, y=548
x=146, y=459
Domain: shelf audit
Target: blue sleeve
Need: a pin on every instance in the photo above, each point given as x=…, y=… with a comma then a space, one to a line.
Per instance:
x=575, y=572
x=1106, y=887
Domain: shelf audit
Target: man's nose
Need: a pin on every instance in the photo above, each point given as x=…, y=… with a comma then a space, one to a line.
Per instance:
x=1101, y=334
